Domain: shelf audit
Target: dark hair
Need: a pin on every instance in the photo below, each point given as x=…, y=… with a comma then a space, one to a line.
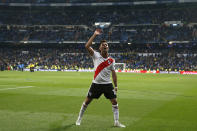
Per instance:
x=102, y=41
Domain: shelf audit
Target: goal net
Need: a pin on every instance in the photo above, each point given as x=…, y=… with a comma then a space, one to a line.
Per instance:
x=120, y=66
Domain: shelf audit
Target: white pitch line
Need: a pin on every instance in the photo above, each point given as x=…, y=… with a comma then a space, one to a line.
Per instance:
x=17, y=88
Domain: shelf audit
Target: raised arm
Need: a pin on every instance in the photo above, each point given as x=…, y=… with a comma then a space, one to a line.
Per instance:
x=89, y=43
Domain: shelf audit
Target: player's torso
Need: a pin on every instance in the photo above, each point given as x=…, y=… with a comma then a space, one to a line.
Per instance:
x=100, y=60
x=102, y=68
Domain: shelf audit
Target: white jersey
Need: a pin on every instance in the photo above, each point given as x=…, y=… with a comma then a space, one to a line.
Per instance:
x=102, y=68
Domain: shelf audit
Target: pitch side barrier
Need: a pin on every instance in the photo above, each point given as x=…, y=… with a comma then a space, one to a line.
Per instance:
x=188, y=72
x=124, y=71
x=159, y=72
x=55, y=70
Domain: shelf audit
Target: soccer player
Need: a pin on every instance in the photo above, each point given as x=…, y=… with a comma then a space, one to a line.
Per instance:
x=103, y=66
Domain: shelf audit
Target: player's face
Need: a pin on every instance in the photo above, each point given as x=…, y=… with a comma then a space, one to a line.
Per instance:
x=104, y=47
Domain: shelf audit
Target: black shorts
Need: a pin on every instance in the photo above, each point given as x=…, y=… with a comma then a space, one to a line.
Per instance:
x=96, y=90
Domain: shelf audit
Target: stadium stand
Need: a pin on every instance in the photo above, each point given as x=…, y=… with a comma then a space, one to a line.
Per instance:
x=163, y=38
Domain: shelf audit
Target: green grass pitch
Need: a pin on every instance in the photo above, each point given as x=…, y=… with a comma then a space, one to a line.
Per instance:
x=50, y=101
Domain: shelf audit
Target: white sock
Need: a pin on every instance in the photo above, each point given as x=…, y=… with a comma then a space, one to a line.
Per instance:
x=116, y=112
x=82, y=110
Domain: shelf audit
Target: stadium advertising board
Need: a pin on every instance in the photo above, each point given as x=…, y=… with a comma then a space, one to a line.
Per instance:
x=127, y=71
x=188, y=72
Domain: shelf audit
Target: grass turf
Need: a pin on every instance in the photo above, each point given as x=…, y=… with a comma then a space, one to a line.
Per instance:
x=50, y=101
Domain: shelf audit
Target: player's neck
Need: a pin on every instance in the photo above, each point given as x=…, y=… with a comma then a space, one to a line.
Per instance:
x=104, y=54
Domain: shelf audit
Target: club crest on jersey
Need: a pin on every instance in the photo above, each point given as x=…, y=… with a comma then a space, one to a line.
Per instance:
x=109, y=62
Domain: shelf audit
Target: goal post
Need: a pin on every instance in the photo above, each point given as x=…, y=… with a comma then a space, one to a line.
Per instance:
x=120, y=66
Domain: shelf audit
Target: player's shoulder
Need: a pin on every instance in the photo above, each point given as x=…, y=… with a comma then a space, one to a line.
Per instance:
x=96, y=54
x=112, y=58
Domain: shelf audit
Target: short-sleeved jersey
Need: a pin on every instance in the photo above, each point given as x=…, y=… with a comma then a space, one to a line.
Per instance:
x=102, y=68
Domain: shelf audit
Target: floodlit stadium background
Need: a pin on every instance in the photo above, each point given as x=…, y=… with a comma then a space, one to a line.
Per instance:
x=153, y=42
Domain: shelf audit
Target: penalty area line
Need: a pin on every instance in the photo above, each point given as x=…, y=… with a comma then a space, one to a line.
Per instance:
x=22, y=87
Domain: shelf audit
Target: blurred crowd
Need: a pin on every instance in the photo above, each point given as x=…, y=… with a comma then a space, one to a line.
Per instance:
x=76, y=24
x=72, y=56
x=138, y=34
x=141, y=38
x=89, y=15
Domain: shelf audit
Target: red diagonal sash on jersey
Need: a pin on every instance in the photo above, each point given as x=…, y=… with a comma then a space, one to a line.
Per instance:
x=102, y=66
